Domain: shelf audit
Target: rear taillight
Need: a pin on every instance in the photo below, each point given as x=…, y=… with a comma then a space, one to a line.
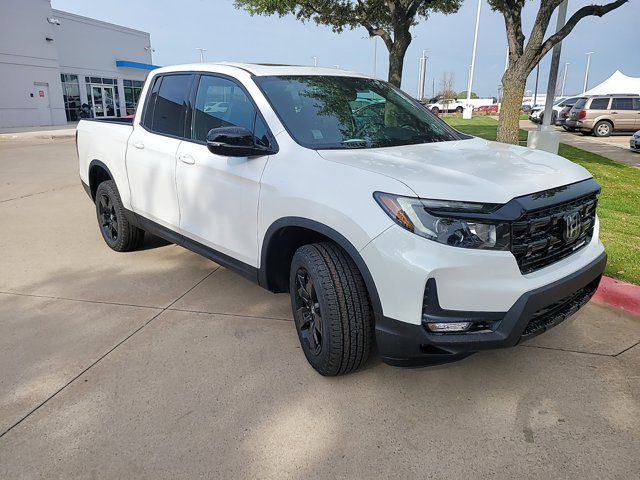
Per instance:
x=583, y=114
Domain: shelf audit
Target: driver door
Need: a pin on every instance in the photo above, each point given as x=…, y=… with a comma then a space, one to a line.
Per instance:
x=218, y=195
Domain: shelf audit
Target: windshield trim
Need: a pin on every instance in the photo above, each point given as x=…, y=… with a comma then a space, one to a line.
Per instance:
x=455, y=133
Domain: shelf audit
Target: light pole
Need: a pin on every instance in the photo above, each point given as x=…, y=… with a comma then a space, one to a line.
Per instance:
x=564, y=78
x=375, y=57
x=422, y=74
x=202, y=50
x=553, y=70
x=586, y=73
x=315, y=61
x=535, y=94
x=473, y=54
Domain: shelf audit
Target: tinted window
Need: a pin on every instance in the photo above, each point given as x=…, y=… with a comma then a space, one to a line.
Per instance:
x=636, y=103
x=151, y=103
x=221, y=103
x=622, y=104
x=599, y=104
x=169, y=113
x=580, y=103
x=350, y=112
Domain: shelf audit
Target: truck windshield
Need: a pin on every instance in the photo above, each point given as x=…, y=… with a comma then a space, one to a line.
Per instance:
x=333, y=112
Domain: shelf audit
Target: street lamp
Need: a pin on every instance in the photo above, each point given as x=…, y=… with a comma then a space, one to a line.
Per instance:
x=473, y=61
x=564, y=78
x=202, y=50
x=586, y=73
x=422, y=74
x=315, y=61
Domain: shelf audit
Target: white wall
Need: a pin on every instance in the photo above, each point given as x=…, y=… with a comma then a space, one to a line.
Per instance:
x=79, y=45
x=27, y=57
x=92, y=47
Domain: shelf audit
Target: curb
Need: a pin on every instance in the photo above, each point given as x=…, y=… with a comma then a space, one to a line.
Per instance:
x=619, y=294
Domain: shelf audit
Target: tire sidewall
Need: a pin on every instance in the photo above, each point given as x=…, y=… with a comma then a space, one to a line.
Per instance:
x=108, y=188
x=323, y=359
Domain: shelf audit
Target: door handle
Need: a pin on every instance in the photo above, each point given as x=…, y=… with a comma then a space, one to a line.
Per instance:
x=139, y=145
x=614, y=113
x=186, y=158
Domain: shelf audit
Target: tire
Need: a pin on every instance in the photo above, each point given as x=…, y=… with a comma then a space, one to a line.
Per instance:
x=116, y=230
x=602, y=129
x=435, y=110
x=459, y=109
x=331, y=309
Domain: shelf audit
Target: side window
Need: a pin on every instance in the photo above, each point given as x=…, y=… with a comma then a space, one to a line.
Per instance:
x=622, y=104
x=636, y=103
x=170, y=108
x=599, y=104
x=151, y=102
x=221, y=103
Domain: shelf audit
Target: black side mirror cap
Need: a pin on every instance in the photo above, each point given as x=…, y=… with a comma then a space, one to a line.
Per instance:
x=235, y=142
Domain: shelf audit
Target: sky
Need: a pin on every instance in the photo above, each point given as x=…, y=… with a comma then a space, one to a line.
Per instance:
x=177, y=28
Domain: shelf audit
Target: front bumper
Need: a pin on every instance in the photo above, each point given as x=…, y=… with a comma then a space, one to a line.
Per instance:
x=404, y=344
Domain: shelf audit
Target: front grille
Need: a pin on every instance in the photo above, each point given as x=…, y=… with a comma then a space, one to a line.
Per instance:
x=539, y=237
x=559, y=311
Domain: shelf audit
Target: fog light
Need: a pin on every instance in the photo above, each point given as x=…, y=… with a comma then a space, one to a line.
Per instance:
x=442, y=327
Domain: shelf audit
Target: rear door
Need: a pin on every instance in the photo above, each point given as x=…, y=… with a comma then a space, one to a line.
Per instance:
x=218, y=195
x=623, y=113
x=636, y=110
x=152, y=149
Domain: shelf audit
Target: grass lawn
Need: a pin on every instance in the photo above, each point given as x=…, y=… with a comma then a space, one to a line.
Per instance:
x=619, y=206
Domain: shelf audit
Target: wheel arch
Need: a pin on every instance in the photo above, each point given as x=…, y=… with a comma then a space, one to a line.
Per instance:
x=98, y=173
x=286, y=235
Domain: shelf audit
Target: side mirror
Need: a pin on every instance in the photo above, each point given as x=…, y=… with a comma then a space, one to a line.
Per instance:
x=235, y=142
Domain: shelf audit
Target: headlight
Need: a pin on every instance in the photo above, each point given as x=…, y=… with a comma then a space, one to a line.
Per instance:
x=428, y=218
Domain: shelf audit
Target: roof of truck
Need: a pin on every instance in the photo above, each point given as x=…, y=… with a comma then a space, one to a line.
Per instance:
x=264, y=69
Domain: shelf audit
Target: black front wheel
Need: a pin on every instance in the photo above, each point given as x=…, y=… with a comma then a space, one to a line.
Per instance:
x=116, y=230
x=331, y=308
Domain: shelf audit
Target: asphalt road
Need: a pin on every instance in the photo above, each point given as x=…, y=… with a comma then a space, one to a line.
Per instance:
x=160, y=364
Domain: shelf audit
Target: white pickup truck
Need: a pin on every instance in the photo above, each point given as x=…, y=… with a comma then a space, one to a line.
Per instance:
x=383, y=223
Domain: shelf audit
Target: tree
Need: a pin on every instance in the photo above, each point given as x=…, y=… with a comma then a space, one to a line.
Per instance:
x=391, y=20
x=463, y=94
x=524, y=57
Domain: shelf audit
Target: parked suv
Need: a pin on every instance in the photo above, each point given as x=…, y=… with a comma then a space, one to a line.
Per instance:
x=381, y=221
x=601, y=115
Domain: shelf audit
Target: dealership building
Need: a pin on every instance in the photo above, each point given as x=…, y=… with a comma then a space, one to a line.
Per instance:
x=52, y=62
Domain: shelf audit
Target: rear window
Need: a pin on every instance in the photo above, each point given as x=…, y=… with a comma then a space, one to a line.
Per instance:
x=599, y=104
x=622, y=104
x=170, y=105
x=580, y=103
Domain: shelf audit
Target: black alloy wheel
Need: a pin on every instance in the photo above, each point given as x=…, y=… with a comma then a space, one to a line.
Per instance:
x=118, y=233
x=108, y=218
x=308, y=316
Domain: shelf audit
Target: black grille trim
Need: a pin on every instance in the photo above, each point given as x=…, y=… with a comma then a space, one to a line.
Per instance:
x=537, y=237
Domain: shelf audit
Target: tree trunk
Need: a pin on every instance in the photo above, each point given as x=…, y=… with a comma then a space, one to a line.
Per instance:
x=509, y=121
x=396, y=57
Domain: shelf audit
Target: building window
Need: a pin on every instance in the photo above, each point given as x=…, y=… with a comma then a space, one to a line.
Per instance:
x=132, y=90
x=71, y=95
x=102, y=95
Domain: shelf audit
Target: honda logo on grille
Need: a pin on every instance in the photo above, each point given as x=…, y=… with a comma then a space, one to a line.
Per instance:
x=572, y=226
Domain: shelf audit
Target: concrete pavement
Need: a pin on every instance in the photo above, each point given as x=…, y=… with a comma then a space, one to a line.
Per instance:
x=615, y=147
x=160, y=364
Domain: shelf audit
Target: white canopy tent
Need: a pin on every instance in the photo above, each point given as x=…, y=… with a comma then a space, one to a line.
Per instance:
x=616, y=83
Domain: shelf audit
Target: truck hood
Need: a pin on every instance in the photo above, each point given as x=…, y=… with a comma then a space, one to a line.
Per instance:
x=473, y=170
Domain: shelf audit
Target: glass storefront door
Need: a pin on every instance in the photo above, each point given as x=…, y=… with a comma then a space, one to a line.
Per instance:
x=102, y=101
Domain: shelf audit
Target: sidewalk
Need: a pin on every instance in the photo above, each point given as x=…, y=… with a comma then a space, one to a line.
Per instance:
x=615, y=147
x=52, y=131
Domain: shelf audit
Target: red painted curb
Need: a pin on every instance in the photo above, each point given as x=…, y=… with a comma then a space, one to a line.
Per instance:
x=619, y=294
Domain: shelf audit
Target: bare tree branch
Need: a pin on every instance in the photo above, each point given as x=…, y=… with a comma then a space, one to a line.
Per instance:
x=589, y=10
